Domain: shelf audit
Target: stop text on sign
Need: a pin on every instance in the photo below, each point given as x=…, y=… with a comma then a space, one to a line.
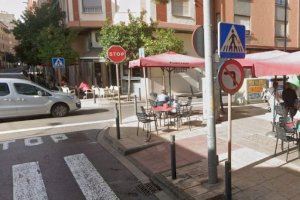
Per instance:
x=116, y=53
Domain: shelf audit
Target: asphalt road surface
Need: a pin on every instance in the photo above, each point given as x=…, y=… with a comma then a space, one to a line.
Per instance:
x=83, y=119
x=64, y=166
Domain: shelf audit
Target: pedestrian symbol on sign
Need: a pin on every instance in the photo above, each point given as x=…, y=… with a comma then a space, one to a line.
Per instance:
x=232, y=40
x=58, y=63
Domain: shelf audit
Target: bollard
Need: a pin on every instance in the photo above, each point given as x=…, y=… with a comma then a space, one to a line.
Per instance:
x=228, y=180
x=94, y=96
x=173, y=157
x=140, y=94
x=117, y=123
x=135, y=104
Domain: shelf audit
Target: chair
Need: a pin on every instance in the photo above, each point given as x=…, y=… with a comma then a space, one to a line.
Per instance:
x=282, y=135
x=87, y=93
x=187, y=114
x=176, y=115
x=143, y=118
x=187, y=103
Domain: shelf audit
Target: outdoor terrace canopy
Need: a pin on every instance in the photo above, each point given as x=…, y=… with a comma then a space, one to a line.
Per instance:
x=168, y=61
x=283, y=65
x=250, y=59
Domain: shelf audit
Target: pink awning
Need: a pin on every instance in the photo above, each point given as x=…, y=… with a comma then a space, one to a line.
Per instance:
x=250, y=59
x=168, y=59
x=283, y=65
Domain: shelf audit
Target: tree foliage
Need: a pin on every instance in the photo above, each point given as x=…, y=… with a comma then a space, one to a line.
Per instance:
x=164, y=40
x=136, y=34
x=42, y=35
x=130, y=36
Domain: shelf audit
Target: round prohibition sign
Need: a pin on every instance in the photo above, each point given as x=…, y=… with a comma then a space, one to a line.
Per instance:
x=231, y=76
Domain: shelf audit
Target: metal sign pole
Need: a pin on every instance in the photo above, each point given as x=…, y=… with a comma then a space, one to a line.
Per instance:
x=229, y=136
x=211, y=128
x=118, y=85
x=146, y=89
x=228, y=163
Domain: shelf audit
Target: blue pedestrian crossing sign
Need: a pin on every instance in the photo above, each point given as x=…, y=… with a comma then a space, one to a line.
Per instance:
x=231, y=40
x=58, y=63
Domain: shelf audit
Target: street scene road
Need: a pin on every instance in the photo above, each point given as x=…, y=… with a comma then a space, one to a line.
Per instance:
x=64, y=166
x=149, y=99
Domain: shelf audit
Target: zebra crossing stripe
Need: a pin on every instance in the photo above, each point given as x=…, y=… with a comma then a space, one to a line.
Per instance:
x=91, y=183
x=27, y=182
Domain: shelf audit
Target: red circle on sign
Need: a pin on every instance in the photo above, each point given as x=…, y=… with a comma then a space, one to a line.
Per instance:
x=235, y=74
x=116, y=53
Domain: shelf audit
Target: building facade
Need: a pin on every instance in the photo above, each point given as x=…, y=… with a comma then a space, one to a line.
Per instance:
x=264, y=21
x=7, y=39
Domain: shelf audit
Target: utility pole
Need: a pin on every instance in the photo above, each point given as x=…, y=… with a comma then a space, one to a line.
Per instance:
x=211, y=128
x=285, y=33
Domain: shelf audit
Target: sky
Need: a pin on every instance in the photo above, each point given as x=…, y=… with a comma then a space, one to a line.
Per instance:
x=15, y=7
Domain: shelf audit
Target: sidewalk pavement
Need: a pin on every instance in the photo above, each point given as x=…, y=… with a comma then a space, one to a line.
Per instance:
x=257, y=173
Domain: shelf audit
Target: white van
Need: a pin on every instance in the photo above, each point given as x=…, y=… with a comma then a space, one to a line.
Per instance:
x=20, y=97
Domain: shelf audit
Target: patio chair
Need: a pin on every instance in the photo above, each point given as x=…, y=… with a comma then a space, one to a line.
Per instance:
x=187, y=104
x=176, y=115
x=87, y=93
x=146, y=120
x=282, y=135
x=187, y=114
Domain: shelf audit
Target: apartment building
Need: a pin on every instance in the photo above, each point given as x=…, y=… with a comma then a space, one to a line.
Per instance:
x=4, y=43
x=264, y=21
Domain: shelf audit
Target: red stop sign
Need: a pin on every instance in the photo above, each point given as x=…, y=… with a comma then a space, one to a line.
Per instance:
x=116, y=53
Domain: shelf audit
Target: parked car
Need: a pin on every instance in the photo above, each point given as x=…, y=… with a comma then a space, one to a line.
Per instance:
x=19, y=97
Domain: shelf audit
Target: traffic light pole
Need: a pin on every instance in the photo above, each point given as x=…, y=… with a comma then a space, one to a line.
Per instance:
x=211, y=134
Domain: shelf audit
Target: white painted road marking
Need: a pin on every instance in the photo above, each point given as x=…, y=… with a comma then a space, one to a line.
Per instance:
x=5, y=144
x=33, y=141
x=28, y=183
x=58, y=137
x=91, y=183
x=55, y=126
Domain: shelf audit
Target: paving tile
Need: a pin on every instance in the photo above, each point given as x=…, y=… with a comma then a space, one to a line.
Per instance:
x=196, y=190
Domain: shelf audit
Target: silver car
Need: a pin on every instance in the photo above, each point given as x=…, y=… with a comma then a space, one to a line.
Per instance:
x=24, y=98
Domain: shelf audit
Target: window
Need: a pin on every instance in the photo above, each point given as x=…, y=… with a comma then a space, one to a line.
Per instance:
x=4, y=90
x=243, y=20
x=180, y=8
x=280, y=2
x=279, y=28
x=91, y=6
x=30, y=90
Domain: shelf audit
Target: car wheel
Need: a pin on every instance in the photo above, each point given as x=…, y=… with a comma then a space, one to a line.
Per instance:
x=59, y=110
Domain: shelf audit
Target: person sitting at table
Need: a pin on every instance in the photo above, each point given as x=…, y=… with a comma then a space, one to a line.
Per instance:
x=289, y=97
x=162, y=98
x=83, y=87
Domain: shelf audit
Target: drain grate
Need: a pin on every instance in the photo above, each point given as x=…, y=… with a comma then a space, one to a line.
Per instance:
x=147, y=188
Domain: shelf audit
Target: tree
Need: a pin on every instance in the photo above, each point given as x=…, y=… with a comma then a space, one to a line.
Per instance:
x=136, y=34
x=32, y=32
x=164, y=40
x=130, y=37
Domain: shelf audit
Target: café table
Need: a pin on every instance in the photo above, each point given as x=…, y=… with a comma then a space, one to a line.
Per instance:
x=162, y=109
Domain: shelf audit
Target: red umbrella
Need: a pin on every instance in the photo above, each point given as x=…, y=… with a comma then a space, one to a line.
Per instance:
x=250, y=59
x=282, y=65
x=168, y=61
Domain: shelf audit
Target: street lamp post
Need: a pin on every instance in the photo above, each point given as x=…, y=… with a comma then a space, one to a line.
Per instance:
x=209, y=98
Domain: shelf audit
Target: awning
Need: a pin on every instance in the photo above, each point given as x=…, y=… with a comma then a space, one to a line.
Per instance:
x=169, y=60
x=283, y=65
x=251, y=58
